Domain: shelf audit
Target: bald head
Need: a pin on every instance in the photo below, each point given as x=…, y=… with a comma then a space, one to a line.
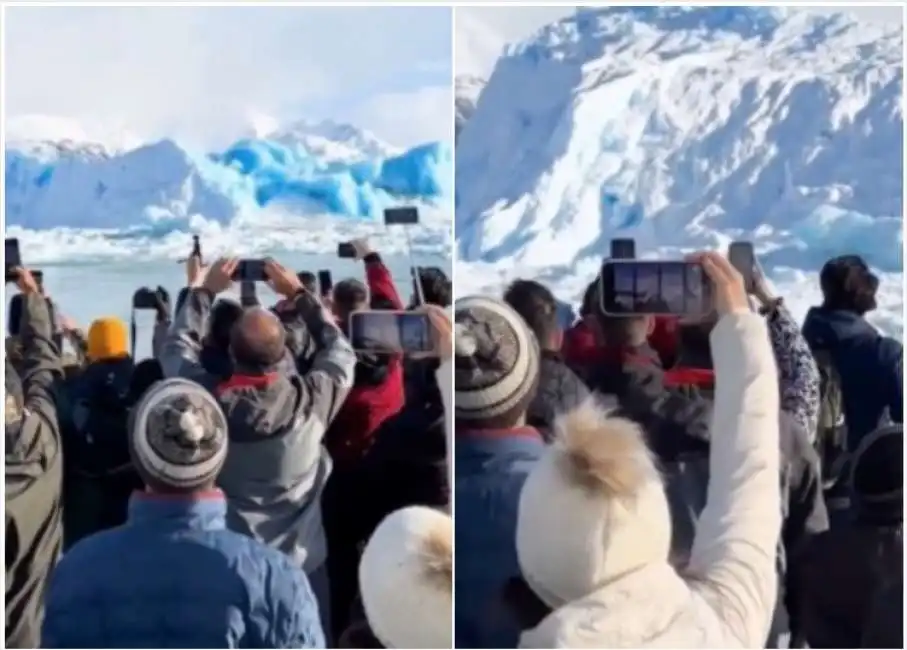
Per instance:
x=258, y=340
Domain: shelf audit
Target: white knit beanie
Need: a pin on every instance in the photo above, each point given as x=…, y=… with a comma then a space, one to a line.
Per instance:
x=178, y=435
x=405, y=577
x=496, y=358
x=593, y=508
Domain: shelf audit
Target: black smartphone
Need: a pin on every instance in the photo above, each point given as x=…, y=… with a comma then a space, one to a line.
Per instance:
x=12, y=258
x=388, y=332
x=743, y=258
x=401, y=216
x=196, y=247
x=346, y=251
x=250, y=271
x=633, y=287
x=325, y=282
x=144, y=298
x=623, y=249
x=38, y=275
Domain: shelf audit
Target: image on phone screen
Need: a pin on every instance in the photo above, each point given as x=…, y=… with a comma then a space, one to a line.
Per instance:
x=387, y=332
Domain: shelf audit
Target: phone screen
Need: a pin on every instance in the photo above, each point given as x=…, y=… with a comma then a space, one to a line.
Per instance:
x=743, y=258
x=391, y=331
x=11, y=257
x=345, y=250
x=401, y=216
x=250, y=271
x=325, y=282
x=639, y=287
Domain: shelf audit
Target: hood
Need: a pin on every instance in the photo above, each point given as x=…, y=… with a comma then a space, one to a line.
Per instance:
x=828, y=327
x=643, y=609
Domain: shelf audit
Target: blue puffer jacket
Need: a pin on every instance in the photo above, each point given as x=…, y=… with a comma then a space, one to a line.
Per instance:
x=870, y=366
x=174, y=577
x=490, y=467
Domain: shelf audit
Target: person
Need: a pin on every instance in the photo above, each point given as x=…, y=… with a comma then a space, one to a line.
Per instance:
x=559, y=389
x=376, y=398
x=98, y=474
x=33, y=469
x=174, y=575
x=594, y=529
x=584, y=341
x=276, y=470
x=309, y=281
x=215, y=345
x=496, y=361
x=837, y=574
x=869, y=364
x=435, y=286
x=406, y=573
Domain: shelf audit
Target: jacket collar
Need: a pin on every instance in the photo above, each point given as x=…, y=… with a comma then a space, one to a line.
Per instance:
x=202, y=510
x=499, y=441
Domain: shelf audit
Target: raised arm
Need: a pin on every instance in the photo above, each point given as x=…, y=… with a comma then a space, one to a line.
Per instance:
x=732, y=562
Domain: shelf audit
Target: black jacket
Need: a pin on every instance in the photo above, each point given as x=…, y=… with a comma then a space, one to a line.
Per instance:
x=559, y=390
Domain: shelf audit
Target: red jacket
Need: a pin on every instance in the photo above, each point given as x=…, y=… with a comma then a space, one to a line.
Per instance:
x=367, y=407
x=579, y=347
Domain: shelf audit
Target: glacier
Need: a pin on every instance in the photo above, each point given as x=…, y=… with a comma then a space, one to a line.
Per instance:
x=325, y=169
x=684, y=128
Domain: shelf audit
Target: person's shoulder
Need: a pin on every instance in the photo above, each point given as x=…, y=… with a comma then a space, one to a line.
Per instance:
x=95, y=550
x=889, y=351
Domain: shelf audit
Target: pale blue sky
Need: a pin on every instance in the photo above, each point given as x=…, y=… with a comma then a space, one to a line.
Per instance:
x=483, y=31
x=205, y=73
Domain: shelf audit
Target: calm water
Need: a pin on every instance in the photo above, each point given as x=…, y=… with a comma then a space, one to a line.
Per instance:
x=88, y=291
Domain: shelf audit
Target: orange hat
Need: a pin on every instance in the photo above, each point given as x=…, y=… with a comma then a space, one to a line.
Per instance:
x=108, y=338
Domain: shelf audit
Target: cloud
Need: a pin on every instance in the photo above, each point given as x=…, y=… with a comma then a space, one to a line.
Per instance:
x=481, y=31
x=198, y=73
x=410, y=118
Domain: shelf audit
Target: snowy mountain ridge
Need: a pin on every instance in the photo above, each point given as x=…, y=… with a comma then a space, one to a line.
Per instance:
x=467, y=89
x=686, y=127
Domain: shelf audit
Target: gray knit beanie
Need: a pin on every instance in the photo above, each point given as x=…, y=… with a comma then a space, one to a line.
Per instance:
x=178, y=435
x=496, y=358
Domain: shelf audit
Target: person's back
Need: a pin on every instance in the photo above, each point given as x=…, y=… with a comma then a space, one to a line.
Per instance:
x=497, y=361
x=869, y=364
x=173, y=575
x=837, y=574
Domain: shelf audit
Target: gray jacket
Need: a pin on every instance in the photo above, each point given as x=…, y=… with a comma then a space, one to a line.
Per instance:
x=34, y=474
x=276, y=468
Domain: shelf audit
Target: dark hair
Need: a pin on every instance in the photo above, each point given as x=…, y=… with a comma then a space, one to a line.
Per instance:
x=308, y=280
x=537, y=305
x=145, y=374
x=848, y=285
x=181, y=299
x=224, y=315
x=436, y=287
x=349, y=296
x=590, y=300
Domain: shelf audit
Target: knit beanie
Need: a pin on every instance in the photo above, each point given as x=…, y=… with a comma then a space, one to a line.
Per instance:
x=496, y=359
x=592, y=509
x=108, y=338
x=405, y=577
x=878, y=476
x=178, y=435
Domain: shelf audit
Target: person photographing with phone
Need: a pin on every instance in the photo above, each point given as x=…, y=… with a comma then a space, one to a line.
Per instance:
x=276, y=468
x=593, y=533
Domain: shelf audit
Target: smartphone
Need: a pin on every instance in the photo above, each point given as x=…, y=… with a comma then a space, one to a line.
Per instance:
x=144, y=298
x=14, y=319
x=386, y=332
x=39, y=279
x=401, y=216
x=250, y=271
x=743, y=258
x=11, y=258
x=623, y=249
x=196, y=247
x=346, y=251
x=635, y=287
x=325, y=282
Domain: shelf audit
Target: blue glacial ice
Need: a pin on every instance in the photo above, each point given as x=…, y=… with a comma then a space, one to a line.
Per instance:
x=164, y=182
